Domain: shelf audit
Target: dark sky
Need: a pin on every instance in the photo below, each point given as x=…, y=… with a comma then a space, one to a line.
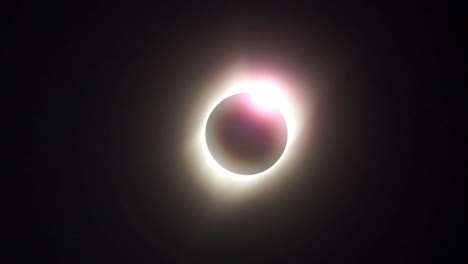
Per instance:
x=103, y=93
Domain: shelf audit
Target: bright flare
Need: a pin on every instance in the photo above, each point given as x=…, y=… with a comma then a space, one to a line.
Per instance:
x=266, y=94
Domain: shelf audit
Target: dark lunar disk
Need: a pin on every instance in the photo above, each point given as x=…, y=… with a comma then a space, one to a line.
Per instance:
x=243, y=137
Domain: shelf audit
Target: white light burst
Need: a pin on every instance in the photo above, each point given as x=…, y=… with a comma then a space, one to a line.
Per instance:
x=267, y=92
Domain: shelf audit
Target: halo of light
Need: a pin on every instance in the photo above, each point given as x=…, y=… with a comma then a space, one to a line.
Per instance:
x=266, y=92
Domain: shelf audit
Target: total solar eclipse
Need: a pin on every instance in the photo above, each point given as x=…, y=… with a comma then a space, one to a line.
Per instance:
x=243, y=132
x=246, y=133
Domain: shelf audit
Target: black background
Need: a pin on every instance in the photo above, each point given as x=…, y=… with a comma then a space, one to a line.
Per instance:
x=103, y=93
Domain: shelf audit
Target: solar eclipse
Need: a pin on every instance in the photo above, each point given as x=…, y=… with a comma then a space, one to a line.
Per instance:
x=243, y=131
x=246, y=133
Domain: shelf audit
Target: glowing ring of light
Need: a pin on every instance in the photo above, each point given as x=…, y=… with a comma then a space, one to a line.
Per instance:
x=265, y=95
x=210, y=171
x=238, y=87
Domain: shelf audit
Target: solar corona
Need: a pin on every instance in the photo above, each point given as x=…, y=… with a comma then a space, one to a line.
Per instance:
x=246, y=130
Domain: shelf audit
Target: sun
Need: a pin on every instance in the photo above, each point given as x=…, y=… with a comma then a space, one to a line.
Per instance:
x=267, y=92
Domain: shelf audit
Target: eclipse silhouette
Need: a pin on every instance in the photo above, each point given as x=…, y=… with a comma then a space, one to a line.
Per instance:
x=246, y=134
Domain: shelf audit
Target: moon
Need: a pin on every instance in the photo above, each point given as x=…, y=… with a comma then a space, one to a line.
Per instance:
x=246, y=133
